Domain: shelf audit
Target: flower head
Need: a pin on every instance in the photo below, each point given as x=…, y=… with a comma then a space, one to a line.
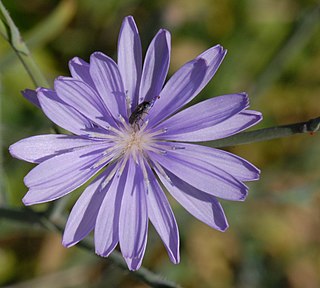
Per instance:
x=125, y=129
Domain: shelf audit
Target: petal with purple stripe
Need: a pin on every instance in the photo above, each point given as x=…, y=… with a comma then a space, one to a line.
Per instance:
x=61, y=113
x=229, y=127
x=83, y=98
x=61, y=175
x=238, y=167
x=179, y=90
x=39, y=148
x=31, y=95
x=130, y=58
x=80, y=70
x=83, y=215
x=202, y=175
x=205, y=114
x=156, y=65
x=133, y=223
x=213, y=57
x=162, y=218
x=135, y=263
x=201, y=205
x=106, y=76
x=106, y=234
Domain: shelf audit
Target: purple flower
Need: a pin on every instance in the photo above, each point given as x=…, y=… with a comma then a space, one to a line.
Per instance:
x=124, y=126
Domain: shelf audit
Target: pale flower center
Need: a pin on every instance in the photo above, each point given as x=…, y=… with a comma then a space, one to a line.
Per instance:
x=133, y=141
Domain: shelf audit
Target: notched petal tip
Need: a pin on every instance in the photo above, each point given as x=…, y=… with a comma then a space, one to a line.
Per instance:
x=162, y=30
x=99, y=253
x=26, y=201
x=68, y=243
x=103, y=253
x=222, y=50
x=64, y=79
x=128, y=18
x=174, y=259
x=73, y=61
x=243, y=196
x=13, y=150
x=76, y=62
x=99, y=55
x=31, y=96
x=258, y=116
x=133, y=263
x=164, y=33
x=224, y=227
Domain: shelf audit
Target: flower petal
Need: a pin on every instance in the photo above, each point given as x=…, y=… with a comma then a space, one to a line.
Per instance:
x=238, y=167
x=202, y=176
x=135, y=263
x=213, y=57
x=83, y=98
x=201, y=205
x=229, y=127
x=133, y=222
x=79, y=70
x=61, y=113
x=106, y=76
x=31, y=95
x=130, y=58
x=179, y=90
x=61, y=174
x=39, y=148
x=162, y=218
x=106, y=233
x=205, y=114
x=156, y=65
x=82, y=218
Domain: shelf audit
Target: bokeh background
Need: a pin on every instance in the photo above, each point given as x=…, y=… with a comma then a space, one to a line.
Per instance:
x=273, y=53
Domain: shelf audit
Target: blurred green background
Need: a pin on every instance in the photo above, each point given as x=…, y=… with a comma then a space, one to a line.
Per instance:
x=273, y=53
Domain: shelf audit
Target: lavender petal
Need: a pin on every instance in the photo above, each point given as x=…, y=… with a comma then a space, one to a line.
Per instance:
x=203, y=176
x=82, y=218
x=61, y=113
x=107, y=78
x=156, y=65
x=238, y=167
x=135, y=263
x=39, y=148
x=229, y=127
x=201, y=205
x=162, y=218
x=83, y=98
x=80, y=70
x=61, y=175
x=205, y=114
x=130, y=58
x=31, y=95
x=133, y=223
x=179, y=90
x=213, y=57
x=106, y=233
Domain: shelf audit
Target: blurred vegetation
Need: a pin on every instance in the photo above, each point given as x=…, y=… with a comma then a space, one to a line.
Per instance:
x=274, y=53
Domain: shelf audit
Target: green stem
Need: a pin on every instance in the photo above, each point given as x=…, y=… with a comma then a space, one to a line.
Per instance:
x=270, y=133
x=10, y=32
x=52, y=26
x=28, y=216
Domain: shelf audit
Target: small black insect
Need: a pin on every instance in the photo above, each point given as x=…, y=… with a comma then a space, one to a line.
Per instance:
x=142, y=109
